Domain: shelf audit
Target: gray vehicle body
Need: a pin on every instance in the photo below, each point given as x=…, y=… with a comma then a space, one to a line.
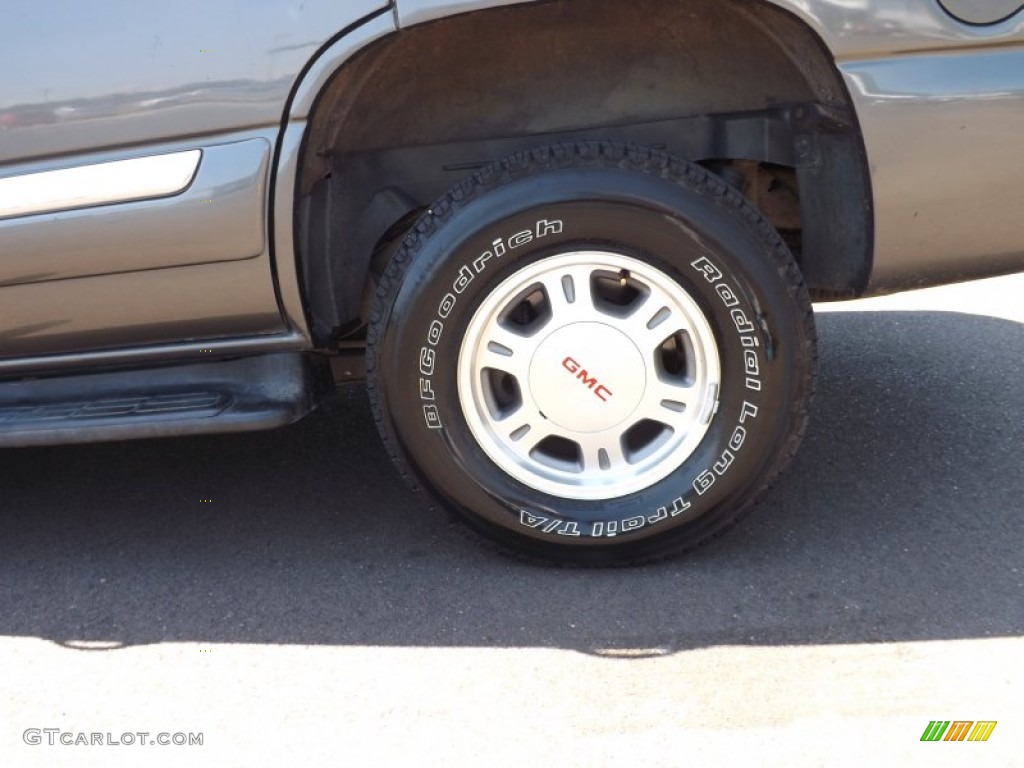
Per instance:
x=227, y=265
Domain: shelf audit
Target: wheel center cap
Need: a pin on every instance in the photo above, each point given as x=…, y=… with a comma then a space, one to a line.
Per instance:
x=587, y=377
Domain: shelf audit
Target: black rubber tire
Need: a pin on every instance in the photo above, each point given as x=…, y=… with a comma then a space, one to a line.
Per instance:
x=681, y=219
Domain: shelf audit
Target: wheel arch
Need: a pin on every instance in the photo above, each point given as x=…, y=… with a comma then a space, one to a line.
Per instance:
x=740, y=85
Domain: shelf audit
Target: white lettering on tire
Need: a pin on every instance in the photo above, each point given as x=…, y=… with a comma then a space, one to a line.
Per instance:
x=705, y=480
x=543, y=228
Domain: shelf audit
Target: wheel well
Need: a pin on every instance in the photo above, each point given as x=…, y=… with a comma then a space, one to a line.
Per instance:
x=739, y=85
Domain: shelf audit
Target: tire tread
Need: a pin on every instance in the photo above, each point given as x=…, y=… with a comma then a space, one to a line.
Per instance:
x=609, y=155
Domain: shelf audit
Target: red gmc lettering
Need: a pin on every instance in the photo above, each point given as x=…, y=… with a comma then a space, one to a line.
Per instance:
x=590, y=382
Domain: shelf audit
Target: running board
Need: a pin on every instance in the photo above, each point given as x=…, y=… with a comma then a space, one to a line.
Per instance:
x=226, y=396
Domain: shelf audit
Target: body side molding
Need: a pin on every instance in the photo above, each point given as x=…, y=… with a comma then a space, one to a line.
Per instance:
x=84, y=186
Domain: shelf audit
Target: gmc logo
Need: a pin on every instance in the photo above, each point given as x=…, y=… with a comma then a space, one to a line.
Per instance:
x=590, y=382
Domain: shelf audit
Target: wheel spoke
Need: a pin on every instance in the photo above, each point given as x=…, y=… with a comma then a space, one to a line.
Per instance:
x=600, y=406
x=602, y=453
x=671, y=404
x=524, y=429
x=508, y=352
x=652, y=323
x=570, y=294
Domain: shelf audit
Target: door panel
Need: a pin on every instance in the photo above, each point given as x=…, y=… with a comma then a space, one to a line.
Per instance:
x=219, y=217
x=192, y=265
x=90, y=84
x=94, y=75
x=208, y=301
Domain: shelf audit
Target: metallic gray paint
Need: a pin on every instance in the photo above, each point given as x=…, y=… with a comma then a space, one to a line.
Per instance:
x=941, y=124
x=941, y=104
x=982, y=11
x=411, y=12
x=219, y=218
x=173, y=89
x=289, y=157
x=852, y=29
x=233, y=298
x=140, y=71
x=327, y=63
x=943, y=134
x=864, y=29
x=288, y=279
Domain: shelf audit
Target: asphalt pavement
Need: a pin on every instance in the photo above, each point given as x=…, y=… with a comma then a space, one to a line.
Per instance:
x=285, y=595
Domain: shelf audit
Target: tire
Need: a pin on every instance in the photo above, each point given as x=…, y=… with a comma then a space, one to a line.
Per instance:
x=592, y=354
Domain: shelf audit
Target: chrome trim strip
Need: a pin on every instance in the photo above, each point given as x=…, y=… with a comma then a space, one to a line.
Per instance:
x=120, y=181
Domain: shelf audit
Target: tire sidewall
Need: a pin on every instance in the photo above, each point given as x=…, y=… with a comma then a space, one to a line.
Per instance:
x=723, y=260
